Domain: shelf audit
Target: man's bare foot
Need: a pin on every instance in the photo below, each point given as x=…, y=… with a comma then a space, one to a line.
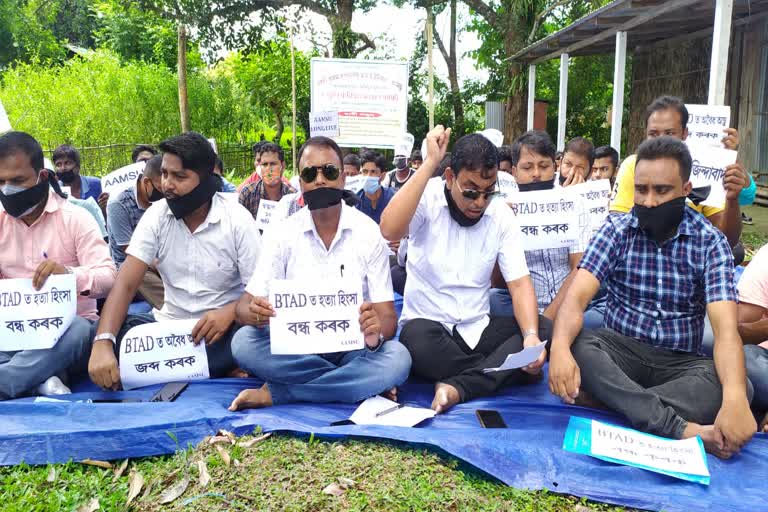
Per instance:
x=390, y=394
x=238, y=373
x=252, y=399
x=764, y=424
x=446, y=396
x=713, y=441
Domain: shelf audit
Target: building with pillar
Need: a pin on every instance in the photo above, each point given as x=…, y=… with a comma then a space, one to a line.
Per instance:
x=705, y=51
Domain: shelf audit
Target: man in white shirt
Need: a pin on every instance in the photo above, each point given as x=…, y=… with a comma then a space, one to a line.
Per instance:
x=205, y=248
x=457, y=233
x=327, y=240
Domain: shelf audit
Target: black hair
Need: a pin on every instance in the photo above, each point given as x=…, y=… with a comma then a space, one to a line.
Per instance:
x=257, y=147
x=583, y=148
x=537, y=141
x=558, y=155
x=444, y=164
x=474, y=152
x=194, y=150
x=66, y=151
x=141, y=148
x=608, y=152
x=505, y=154
x=12, y=143
x=153, y=166
x=667, y=147
x=219, y=164
x=323, y=142
x=416, y=155
x=668, y=103
x=271, y=147
x=375, y=158
x=353, y=160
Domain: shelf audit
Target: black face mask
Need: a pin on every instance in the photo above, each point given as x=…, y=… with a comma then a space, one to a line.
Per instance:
x=700, y=194
x=457, y=214
x=201, y=194
x=562, y=179
x=19, y=204
x=661, y=222
x=400, y=163
x=66, y=177
x=536, y=185
x=323, y=197
x=155, y=195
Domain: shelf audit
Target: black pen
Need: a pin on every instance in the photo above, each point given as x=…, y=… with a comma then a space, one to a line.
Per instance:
x=387, y=411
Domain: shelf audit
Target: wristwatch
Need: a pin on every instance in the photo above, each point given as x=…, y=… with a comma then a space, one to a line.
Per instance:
x=378, y=345
x=106, y=336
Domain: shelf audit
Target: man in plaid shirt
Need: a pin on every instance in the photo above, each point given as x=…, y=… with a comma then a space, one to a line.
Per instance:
x=665, y=266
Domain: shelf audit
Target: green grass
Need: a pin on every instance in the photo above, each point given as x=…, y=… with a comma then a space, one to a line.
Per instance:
x=281, y=473
x=755, y=236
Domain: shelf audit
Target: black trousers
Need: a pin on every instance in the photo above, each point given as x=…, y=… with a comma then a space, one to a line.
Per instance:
x=442, y=356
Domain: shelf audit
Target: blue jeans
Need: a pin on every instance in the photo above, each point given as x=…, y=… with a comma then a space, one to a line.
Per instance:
x=220, y=361
x=22, y=371
x=501, y=306
x=757, y=372
x=336, y=377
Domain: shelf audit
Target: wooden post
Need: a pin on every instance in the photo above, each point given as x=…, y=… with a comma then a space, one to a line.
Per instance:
x=293, y=105
x=531, y=95
x=430, y=71
x=619, y=70
x=562, y=109
x=182, y=71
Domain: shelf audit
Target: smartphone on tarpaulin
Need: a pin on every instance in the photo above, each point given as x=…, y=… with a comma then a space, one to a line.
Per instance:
x=490, y=419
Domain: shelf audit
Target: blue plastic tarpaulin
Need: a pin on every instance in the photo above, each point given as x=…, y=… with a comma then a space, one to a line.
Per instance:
x=527, y=455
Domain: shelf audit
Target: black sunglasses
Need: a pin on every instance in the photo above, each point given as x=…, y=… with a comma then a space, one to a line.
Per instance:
x=330, y=171
x=473, y=195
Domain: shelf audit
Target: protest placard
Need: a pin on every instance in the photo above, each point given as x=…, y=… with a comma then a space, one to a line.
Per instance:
x=547, y=218
x=707, y=122
x=596, y=196
x=212, y=142
x=122, y=178
x=679, y=458
x=324, y=124
x=161, y=352
x=404, y=146
x=315, y=317
x=506, y=184
x=371, y=98
x=354, y=183
x=709, y=164
x=264, y=214
x=5, y=123
x=36, y=319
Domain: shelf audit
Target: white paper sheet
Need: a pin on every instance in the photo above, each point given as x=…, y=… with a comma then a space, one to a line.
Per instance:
x=264, y=214
x=404, y=416
x=315, y=317
x=36, y=319
x=354, y=183
x=5, y=123
x=709, y=163
x=681, y=456
x=507, y=185
x=547, y=218
x=520, y=359
x=596, y=196
x=707, y=122
x=161, y=352
x=121, y=179
x=325, y=124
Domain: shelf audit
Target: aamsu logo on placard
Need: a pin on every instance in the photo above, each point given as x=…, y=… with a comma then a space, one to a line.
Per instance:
x=131, y=175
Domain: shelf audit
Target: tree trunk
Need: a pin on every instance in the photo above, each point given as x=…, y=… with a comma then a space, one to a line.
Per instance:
x=342, y=35
x=451, y=61
x=515, y=106
x=279, y=125
x=182, y=73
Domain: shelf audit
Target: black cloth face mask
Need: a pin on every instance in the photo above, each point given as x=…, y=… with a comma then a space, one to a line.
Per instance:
x=22, y=203
x=155, y=195
x=536, y=185
x=662, y=221
x=201, y=194
x=66, y=177
x=325, y=197
x=457, y=214
x=562, y=179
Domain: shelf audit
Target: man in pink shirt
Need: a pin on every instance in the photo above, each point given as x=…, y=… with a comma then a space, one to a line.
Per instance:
x=42, y=234
x=753, y=328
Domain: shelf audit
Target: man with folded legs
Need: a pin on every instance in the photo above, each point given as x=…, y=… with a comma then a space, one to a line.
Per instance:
x=205, y=247
x=457, y=233
x=664, y=267
x=327, y=240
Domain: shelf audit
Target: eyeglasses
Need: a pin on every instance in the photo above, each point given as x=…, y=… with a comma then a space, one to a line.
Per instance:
x=473, y=195
x=330, y=171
